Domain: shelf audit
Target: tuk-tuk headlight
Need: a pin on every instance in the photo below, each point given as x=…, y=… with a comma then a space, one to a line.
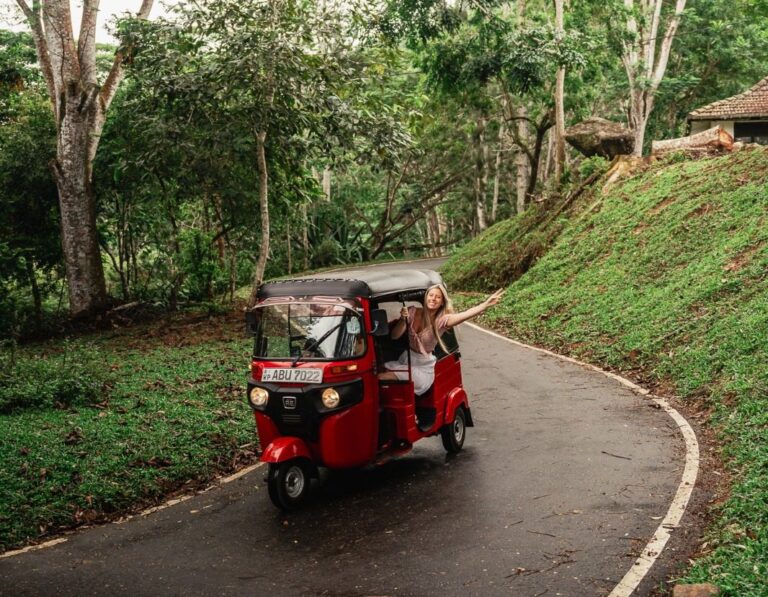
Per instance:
x=330, y=398
x=258, y=396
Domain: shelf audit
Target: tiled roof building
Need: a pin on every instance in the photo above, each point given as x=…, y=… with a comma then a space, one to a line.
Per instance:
x=745, y=116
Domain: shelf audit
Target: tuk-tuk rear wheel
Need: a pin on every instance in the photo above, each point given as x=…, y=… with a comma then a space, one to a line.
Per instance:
x=453, y=434
x=288, y=483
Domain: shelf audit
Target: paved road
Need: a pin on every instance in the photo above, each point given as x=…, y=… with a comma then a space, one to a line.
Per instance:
x=559, y=486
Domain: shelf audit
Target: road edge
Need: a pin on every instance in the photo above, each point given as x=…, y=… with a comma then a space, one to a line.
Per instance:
x=652, y=550
x=146, y=512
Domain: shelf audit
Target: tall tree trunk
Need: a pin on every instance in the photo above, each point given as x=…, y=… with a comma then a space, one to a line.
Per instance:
x=559, y=101
x=645, y=67
x=77, y=202
x=481, y=175
x=208, y=290
x=433, y=234
x=221, y=238
x=177, y=277
x=641, y=104
x=79, y=106
x=305, y=235
x=548, y=160
x=36, y=295
x=261, y=264
x=288, y=244
x=522, y=163
x=79, y=237
x=327, y=183
x=430, y=238
x=497, y=173
x=123, y=257
x=442, y=228
x=232, y=271
x=541, y=131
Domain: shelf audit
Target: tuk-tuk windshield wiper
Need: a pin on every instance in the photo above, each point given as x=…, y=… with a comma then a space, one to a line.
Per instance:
x=316, y=343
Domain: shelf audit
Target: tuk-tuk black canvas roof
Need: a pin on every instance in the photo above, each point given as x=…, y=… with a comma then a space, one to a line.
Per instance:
x=364, y=282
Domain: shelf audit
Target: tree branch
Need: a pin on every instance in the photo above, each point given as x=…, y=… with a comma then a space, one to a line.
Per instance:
x=25, y=9
x=666, y=45
x=61, y=42
x=650, y=44
x=365, y=219
x=86, y=43
x=34, y=19
x=112, y=82
x=432, y=199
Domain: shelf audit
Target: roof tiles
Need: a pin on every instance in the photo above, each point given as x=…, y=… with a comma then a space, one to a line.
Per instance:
x=753, y=103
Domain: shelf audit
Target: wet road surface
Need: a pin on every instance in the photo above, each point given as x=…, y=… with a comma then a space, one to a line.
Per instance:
x=560, y=484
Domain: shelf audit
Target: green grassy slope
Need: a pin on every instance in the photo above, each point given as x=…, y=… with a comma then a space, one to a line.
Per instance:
x=506, y=251
x=667, y=277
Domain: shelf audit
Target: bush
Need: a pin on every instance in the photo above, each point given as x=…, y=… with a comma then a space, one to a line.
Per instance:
x=589, y=166
x=64, y=381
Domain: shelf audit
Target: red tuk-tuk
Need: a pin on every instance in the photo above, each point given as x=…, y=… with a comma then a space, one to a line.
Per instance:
x=318, y=346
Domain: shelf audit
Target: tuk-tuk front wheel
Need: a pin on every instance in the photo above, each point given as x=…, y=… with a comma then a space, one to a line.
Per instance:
x=288, y=483
x=453, y=434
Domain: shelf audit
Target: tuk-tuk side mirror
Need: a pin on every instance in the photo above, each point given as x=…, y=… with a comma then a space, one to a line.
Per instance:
x=379, y=322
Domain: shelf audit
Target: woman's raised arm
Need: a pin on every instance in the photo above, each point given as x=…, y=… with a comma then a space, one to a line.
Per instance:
x=454, y=319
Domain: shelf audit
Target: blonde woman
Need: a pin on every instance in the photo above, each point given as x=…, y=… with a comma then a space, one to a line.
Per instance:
x=425, y=325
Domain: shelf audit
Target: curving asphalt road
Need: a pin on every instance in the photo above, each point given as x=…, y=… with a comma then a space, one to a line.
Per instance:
x=561, y=483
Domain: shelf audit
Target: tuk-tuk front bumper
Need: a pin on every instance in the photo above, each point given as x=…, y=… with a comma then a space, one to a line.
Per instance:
x=298, y=410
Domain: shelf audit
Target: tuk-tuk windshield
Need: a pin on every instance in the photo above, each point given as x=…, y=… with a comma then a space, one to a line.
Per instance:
x=306, y=329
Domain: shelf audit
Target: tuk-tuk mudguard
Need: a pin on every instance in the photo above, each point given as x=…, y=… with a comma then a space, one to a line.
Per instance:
x=457, y=397
x=286, y=448
x=267, y=429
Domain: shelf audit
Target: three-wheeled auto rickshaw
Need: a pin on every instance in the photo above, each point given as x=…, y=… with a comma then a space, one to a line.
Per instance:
x=318, y=346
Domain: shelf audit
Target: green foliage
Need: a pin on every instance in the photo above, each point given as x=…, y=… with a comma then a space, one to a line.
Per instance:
x=63, y=380
x=665, y=276
x=199, y=261
x=173, y=416
x=30, y=250
x=17, y=57
x=590, y=166
x=721, y=49
x=417, y=21
x=467, y=57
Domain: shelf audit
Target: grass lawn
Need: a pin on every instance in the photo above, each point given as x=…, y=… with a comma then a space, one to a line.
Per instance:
x=164, y=412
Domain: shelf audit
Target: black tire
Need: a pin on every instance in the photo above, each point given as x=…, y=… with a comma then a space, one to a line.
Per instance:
x=288, y=483
x=453, y=434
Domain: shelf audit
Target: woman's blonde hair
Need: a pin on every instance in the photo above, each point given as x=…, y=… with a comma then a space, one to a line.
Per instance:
x=445, y=308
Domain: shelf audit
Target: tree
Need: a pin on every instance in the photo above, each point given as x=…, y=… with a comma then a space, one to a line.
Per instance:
x=559, y=100
x=79, y=103
x=29, y=225
x=645, y=60
x=721, y=49
x=282, y=82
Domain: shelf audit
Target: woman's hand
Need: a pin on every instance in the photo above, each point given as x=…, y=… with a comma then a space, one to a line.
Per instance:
x=400, y=326
x=494, y=298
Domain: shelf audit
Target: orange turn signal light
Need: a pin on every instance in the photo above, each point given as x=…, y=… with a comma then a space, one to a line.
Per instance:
x=336, y=369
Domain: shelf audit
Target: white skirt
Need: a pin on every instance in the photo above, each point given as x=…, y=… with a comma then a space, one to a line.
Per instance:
x=422, y=370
